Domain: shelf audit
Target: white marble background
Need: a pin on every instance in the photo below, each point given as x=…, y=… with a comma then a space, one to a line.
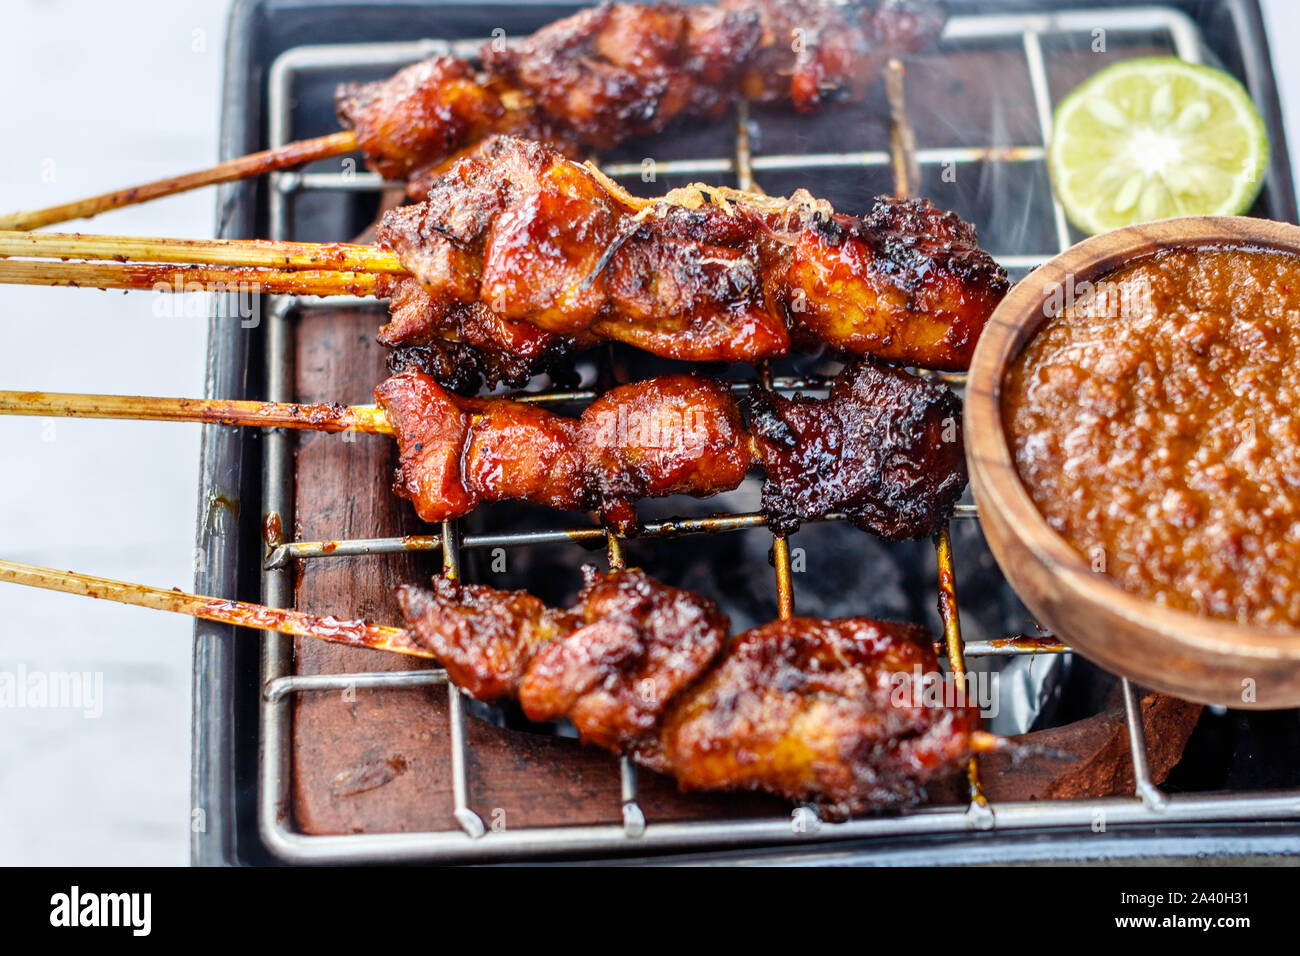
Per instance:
x=98, y=96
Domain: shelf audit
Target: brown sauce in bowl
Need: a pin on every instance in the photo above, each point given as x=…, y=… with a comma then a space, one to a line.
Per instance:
x=1155, y=423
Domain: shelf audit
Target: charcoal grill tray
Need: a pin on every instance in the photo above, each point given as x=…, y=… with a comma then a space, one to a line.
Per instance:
x=228, y=677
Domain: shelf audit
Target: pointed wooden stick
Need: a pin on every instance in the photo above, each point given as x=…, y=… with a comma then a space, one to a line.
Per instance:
x=322, y=256
x=169, y=278
x=325, y=417
x=254, y=164
x=239, y=613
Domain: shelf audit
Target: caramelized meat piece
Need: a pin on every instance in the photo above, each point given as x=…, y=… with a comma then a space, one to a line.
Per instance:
x=812, y=52
x=812, y=710
x=611, y=664
x=467, y=347
x=826, y=711
x=640, y=645
x=906, y=283
x=630, y=69
x=419, y=115
x=432, y=431
x=484, y=638
x=884, y=447
x=676, y=434
x=412, y=123
x=522, y=452
x=704, y=274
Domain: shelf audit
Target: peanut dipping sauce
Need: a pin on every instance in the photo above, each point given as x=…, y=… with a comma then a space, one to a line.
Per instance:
x=1155, y=423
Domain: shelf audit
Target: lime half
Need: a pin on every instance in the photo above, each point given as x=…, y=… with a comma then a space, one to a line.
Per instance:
x=1153, y=138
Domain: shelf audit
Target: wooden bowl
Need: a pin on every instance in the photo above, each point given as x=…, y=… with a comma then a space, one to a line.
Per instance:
x=1197, y=658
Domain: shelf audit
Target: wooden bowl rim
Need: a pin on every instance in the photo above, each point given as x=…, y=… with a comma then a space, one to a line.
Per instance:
x=996, y=481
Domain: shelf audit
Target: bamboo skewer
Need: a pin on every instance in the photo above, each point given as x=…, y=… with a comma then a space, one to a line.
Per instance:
x=325, y=417
x=322, y=256
x=205, y=265
x=160, y=277
x=239, y=613
x=254, y=164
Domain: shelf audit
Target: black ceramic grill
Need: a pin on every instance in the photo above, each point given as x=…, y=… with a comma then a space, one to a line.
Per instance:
x=973, y=143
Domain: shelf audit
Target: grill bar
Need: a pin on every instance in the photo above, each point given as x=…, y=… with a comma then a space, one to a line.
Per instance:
x=473, y=840
x=468, y=819
x=281, y=687
x=1043, y=103
x=1137, y=740
x=454, y=845
x=633, y=817
x=284, y=554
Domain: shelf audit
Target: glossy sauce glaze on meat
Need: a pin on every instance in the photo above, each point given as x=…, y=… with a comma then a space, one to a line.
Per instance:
x=884, y=447
x=536, y=238
x=675, y=434
x=466, y=369
x=907, y=282
x=811, y=710
x=626, y=69
x=611, y=664
x=704, y=274
x=470, y=347
x=816, y=710
x=618, y=70
x=431, y=110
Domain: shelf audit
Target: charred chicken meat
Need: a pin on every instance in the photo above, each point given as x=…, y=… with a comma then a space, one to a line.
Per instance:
x=675, y=434
x=804, y=708
x=618, y=70
x=469, y=347
x=885, y=448
x=703, y=274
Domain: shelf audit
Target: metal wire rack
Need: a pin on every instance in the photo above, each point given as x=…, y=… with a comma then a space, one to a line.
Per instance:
x=472, y=840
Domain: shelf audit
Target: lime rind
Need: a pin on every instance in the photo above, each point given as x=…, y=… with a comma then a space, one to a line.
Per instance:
x=1153, y=138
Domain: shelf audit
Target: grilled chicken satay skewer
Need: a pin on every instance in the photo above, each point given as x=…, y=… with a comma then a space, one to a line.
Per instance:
x=884, y=447
x=586, y=82
x=804, y=708
x=517, y=237
x=702, y=273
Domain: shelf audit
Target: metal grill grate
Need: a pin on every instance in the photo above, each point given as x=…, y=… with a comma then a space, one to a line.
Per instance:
x=472, y=841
